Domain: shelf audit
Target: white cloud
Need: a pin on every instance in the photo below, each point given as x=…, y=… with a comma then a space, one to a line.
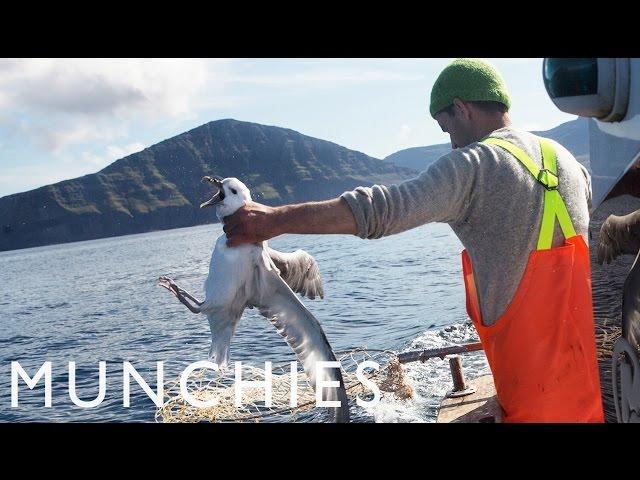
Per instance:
x=55, y=137
x=61, y=103
x=104, y=86
x=109, y=155
x=403, y=134
x=116, y=152
x=66, y=102
x=324, y=78
x=26, y=177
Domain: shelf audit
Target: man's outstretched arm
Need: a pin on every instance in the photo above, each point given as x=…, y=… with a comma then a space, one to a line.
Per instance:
x=255, y=222
x=439, y=194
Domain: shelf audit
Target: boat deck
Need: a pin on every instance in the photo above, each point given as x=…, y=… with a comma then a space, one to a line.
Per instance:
x=479, y=407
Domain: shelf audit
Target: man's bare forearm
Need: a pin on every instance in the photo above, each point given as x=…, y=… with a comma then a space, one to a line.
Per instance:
x=330, y=216
x=255, y=222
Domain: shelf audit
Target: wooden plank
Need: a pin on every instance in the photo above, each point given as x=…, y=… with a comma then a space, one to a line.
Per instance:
x=479, y=407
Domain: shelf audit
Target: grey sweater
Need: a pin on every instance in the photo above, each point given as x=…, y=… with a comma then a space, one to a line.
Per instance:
x=492, y=203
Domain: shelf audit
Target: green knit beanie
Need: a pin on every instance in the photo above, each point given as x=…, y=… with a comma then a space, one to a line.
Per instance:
x=469, y=80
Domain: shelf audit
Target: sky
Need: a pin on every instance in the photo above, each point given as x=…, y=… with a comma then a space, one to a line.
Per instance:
x=63, y=118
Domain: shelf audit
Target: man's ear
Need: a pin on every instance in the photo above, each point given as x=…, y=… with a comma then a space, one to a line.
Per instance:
x=461, y=107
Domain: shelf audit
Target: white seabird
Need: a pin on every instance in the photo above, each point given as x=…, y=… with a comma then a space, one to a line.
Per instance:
x=255, y=275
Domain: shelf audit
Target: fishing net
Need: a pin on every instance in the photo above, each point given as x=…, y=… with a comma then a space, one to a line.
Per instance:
x=605, y=339
x=207, y=384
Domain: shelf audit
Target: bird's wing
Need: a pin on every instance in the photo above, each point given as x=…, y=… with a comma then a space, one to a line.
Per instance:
x=300, y=271
x=300, y=329
x=618, y=236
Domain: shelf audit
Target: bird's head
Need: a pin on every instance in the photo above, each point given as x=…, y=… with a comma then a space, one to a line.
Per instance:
x=231, y=194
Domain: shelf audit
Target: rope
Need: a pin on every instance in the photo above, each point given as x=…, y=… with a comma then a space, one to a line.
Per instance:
x=205, y=385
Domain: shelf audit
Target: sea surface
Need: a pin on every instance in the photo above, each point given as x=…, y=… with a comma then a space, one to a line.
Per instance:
x=98, y=300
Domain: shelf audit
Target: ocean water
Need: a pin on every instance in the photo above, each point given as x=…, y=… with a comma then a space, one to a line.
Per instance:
x=99, y=301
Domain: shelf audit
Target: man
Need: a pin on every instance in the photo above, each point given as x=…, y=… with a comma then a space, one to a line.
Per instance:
x=527, y=281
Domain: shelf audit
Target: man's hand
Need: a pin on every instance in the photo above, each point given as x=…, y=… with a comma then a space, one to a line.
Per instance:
x=251, y=223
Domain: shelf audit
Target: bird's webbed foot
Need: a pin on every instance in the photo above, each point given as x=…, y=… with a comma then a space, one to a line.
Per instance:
x=182, y=295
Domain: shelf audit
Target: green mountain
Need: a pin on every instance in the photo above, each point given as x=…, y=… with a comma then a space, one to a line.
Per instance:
x=160, y=187
x=573, y=135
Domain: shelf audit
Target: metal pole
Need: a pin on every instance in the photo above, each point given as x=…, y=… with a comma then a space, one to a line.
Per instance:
x=455, y=364
x=423, y=355
x=460, y=388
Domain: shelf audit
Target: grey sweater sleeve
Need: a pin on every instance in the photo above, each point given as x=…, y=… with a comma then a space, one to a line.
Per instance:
x=441, y=193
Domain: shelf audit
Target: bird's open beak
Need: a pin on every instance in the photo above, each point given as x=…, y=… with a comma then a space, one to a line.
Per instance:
x=218, y=197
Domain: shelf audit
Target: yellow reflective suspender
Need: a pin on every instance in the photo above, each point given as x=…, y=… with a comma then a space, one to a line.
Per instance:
x=554, y=207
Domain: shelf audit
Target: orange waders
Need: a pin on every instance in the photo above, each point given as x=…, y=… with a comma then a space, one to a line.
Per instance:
x=542, y=350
